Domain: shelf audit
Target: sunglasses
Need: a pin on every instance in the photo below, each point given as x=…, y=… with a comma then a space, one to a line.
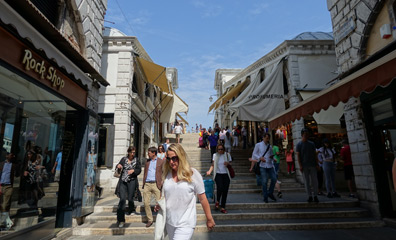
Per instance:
x=220, y=149
x=174, y=159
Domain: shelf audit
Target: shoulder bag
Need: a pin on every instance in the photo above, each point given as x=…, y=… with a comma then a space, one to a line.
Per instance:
x=230, y=169
x=256, y=167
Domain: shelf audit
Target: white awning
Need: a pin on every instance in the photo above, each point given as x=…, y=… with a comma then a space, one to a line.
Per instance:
x=328, y=120
x=171, y=105
x=265, y=100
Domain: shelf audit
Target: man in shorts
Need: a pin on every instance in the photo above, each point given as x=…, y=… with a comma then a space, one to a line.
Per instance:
x=346, y=156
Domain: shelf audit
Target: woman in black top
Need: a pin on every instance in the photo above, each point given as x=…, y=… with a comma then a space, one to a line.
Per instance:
x=130, y=168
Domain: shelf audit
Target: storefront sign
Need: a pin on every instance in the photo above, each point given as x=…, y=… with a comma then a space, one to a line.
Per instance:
x=344, y=30
x=32, y=64
x=17, y=54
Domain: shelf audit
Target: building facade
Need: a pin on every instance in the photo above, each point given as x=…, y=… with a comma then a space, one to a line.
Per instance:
x=49, y=61
x=364, y=37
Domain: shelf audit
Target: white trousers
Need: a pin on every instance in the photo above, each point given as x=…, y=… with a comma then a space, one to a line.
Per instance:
x=179, y=233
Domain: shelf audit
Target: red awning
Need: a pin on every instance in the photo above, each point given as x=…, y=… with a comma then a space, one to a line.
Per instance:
x=378, y=73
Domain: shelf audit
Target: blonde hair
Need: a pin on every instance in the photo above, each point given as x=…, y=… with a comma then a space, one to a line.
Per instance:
x=184, y=171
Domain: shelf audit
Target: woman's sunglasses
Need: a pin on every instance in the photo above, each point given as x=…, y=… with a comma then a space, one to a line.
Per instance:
x=220, y=149
x=174, y=159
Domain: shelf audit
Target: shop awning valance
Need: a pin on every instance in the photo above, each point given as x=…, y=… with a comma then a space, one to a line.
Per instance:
x=217, y=102
x=182, y=119
x=172, y=104
x=380, y=72
x=232, y=93
x=155, y=74
x=328, y=121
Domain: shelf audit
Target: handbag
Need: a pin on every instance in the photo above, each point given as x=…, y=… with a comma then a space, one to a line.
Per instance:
x=117, y=173
x=160, y=229
x=230, y=169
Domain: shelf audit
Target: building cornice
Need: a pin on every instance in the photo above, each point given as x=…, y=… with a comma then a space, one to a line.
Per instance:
x=127, y=42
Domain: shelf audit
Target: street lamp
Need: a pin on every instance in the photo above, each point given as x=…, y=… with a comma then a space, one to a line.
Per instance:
x=211, y=98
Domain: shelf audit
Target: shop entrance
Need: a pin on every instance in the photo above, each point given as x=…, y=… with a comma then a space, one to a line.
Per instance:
x=379, y=110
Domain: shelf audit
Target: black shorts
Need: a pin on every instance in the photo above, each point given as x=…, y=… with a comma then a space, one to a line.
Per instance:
x=348, y=172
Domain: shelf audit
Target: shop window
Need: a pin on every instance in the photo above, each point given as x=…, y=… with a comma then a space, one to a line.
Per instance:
x=382, y=110
x=32, y=122
x=147, y=90
x=285, y=85
x=134, y=84
x=262, y=75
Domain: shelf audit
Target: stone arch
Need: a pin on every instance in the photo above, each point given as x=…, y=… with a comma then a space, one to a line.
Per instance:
x=70, y=25
x=368, y=27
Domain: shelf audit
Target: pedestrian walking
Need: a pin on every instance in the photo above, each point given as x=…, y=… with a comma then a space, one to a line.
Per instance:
x=244, y=136
x=235, y=137
x=349, y=175
x=221, y=176
x=152, y=181
x=320, y=172
x=213, y=140
x=227, y=142
x=182, y=184
x=276, y=152
x=290, y=160
x=178, y=131
x=308, y=161
x=263, y=152
x=130, y=168
x=327, y=153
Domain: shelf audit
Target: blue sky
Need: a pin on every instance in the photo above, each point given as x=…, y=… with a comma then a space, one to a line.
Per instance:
x=199, y=36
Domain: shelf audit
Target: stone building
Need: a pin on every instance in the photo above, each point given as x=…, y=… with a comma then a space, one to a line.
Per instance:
x=50, y=58
x=364, y=37
x=132, y=107
x=308, y=65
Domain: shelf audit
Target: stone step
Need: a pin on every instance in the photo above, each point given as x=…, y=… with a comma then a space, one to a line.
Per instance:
x=106, y=228
x=303, y=206
x=246, y=214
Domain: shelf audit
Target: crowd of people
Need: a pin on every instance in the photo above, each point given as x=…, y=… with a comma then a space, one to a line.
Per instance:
x=168, y=175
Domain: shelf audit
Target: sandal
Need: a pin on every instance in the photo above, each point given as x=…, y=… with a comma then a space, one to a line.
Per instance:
x=217, y=207
x=223, y=211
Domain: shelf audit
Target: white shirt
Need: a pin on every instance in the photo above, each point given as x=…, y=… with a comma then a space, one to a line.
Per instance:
x=220, y=163
x=181, y=201
x=178, y=129
x=259, y=151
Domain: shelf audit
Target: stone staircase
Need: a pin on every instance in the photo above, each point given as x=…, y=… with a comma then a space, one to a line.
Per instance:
x=246, y=209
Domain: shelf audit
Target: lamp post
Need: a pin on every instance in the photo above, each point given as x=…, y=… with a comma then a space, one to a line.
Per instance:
x=211, y=98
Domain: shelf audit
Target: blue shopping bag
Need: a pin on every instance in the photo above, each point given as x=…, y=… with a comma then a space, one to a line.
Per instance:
x=209, y=188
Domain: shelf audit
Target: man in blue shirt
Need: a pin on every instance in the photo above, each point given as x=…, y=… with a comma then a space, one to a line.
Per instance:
x=152, y=182
x=213, y=139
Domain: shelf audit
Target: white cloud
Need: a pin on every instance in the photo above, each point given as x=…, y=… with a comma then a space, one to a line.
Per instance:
x=259, y=8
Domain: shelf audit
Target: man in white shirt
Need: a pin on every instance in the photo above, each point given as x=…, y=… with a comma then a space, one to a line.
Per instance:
x=263, y=152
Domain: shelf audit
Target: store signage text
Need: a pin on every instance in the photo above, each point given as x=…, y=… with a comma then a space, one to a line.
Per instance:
x=32, y=64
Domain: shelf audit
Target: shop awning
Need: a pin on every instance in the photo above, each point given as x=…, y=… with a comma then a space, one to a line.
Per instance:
x=217, y=102
x=182, y=119
x=155, y=74
x=266, y=100
x=171, y=105
x=370, y=74
x=328, y=121
x=232, y=93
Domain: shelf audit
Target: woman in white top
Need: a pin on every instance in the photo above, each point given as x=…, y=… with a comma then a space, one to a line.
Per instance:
x=329, y=167
x=161, y=152
x=181, y=184
x=221, y=176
